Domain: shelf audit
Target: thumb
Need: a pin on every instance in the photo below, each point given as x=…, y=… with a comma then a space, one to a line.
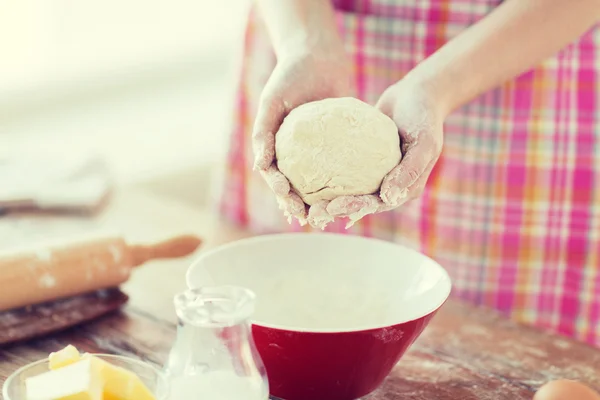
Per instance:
x=268, y=119
x=395, y=186
x=276, y=180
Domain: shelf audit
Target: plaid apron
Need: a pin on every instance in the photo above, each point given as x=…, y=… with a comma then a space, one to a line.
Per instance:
x=512, y=209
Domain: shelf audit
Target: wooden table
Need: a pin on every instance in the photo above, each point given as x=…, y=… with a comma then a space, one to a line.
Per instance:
x=466, y=353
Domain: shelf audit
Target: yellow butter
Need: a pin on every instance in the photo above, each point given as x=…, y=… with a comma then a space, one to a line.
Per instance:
x=75, y=376
x=64, y=357
x=122, y=384
x=82, y=380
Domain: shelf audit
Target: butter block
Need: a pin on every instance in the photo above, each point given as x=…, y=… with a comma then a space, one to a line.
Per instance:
x=67, y=356
x=82, y=380
x=122, y=384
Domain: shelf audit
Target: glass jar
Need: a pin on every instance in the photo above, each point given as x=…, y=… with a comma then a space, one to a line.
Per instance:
x=214, y=356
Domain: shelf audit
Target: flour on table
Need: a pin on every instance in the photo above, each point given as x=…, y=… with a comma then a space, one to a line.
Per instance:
x=217, y=385
x=47, y=281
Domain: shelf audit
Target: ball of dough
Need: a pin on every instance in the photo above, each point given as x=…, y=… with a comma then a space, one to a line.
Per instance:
x=336, y=147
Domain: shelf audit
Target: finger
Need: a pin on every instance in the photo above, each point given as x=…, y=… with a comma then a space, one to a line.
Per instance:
x=384, y=208
x=345, y=205
x=268, y=120
x=318, y=217
x=293, y=207
x=276, y=180
x=394, y=188
x=411, y=192
x=354, y=207
x=417, y=189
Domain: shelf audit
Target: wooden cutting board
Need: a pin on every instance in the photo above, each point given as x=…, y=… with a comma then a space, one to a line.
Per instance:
x=51, y=317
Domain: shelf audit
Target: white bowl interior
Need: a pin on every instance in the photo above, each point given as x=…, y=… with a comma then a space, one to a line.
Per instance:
x=326, y=282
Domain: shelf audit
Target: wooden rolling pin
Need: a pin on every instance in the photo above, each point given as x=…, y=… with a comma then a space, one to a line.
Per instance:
x=53, y=271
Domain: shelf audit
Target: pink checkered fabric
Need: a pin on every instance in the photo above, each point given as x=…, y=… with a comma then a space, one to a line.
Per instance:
x=512, y=209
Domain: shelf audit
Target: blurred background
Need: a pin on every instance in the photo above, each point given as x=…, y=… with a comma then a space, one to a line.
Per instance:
x=148, y=85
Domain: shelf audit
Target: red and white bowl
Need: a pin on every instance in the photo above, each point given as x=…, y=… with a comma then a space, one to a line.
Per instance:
x=334, y=312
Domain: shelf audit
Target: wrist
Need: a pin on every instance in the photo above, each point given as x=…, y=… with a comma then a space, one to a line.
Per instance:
x=447, y=77
x=430, y=90
x=309, y=27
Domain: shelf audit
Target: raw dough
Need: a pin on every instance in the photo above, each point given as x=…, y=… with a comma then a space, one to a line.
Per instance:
x=336, y=147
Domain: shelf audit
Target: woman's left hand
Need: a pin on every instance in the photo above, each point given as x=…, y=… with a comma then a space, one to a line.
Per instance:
x=420, y=125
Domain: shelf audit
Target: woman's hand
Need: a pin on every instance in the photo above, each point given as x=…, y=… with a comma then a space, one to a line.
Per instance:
x=419, y=119
x=420, y=122
x=300, y=77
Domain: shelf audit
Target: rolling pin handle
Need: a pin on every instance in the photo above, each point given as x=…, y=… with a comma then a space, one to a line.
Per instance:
x=179, y=246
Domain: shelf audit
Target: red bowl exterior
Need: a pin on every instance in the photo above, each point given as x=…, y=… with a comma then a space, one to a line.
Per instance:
x=333, y=366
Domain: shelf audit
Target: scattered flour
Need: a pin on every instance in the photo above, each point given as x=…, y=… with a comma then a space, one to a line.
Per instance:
x=475, y=330
x=116, y=253
x=562, y=344
x=388, y=335
x=218, y=385
x=47, y=281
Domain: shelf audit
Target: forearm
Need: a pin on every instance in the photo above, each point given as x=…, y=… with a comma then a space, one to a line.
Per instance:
x=512, y=39
x=295, y=25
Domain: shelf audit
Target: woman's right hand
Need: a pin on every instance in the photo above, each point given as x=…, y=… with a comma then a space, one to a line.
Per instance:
x=419, y=115
x=300, y=77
